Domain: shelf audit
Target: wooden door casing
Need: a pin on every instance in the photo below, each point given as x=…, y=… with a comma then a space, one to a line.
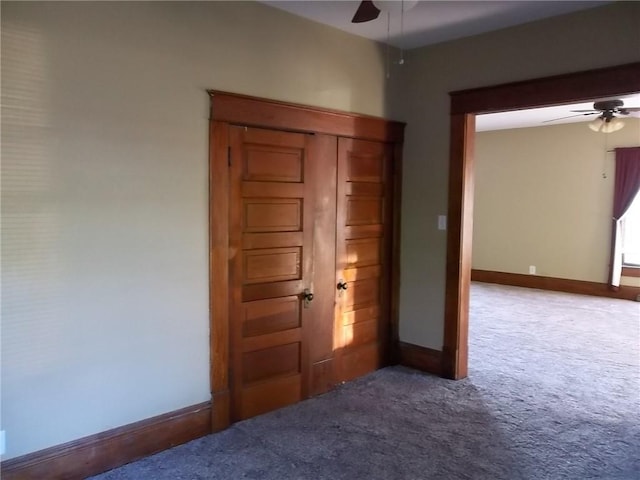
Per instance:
x=253, y=299
x=363, y=256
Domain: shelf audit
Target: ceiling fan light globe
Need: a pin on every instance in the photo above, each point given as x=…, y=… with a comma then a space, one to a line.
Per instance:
x=395, y=6
x=600, y=124
x=596, y=124
x=613, y=125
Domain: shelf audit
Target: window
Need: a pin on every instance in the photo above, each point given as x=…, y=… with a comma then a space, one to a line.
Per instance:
x=630, y=230
x=625, y=248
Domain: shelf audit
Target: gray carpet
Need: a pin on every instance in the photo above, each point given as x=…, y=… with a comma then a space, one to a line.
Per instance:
x=553, y=393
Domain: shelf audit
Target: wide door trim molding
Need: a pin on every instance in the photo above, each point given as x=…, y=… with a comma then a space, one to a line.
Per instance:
x=256, y=112
x=232, y=109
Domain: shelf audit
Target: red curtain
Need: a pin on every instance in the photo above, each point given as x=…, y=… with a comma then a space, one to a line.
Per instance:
x=627, y=185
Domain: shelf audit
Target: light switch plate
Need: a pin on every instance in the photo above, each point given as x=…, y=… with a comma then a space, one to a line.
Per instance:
x=442, y=222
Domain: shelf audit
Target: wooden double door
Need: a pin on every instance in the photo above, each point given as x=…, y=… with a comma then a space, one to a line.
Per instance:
x=309, y=238
x=302, y=233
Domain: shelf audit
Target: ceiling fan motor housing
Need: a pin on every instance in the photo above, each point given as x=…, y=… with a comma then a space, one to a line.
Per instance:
x=608, y=105
x=607, y=111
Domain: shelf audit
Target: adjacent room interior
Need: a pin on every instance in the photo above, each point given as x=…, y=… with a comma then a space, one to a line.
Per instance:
x=544, y=191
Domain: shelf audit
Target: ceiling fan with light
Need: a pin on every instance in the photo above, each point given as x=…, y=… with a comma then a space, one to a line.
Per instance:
x=608, y=119
x=366, y=12
x=369, y=10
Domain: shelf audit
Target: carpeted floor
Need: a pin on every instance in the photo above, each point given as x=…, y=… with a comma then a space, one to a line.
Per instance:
x=553, y=393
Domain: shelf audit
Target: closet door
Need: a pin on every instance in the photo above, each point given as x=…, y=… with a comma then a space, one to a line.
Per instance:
x=293, y=215
x=271, y=217
x=364, y=227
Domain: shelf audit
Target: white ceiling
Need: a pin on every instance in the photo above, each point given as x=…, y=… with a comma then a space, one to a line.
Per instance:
x=539, y=117
x=431, y=22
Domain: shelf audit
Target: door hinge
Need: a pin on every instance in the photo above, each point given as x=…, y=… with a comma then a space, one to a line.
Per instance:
x=229, y=156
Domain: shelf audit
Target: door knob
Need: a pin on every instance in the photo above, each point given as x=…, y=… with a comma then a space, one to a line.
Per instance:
x=307, y=296
x=342, y=285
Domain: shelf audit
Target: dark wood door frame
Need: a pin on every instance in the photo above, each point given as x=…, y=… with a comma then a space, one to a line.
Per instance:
x=569, y=88
x=232, y=109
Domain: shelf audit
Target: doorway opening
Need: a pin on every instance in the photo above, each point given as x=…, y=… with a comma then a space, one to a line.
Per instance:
x=581, y=86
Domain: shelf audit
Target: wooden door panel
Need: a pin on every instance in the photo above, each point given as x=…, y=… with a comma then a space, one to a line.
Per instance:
x=361, y=293
x=278, y=361
x=360, y=333
x=272, y=189
x=364, y=189
x=360, y=315
x=322, y=375
x=261, y=291
x=363, y=210
x=365, y=166
x=321, y=339
x=260, y=342
x=263, y=138
x=251, y=241
x=263, y=317
x=264, y=397
x=271, y=236
x=363, y=231
x=362, y=273
x=272, y=215
x=272, y=265
x=358, y=361
x=271, y=164
x=363, y=252
x=363, y=256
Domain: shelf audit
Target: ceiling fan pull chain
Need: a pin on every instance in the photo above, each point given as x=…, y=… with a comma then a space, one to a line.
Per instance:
x=401, y=62
x=606, y=155
x=388, y=47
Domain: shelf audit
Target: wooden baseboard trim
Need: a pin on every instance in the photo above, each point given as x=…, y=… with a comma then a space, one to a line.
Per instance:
x=106, y=450
x=555, y=284
x=421, y=358
x=631, y=272
x=221, y=411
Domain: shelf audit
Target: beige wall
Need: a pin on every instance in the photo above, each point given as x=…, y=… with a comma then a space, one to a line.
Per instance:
x=104, y=193
x=547, y=47
x=541, y=199
x=630, y=281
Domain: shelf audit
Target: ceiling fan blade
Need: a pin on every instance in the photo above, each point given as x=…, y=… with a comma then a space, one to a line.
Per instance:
x=630, y=109
x=366, y=12
x=570, y=116
x=589, y=110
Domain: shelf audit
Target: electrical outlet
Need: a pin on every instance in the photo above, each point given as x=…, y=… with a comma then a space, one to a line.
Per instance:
x=532, y=269
x=2, y=443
